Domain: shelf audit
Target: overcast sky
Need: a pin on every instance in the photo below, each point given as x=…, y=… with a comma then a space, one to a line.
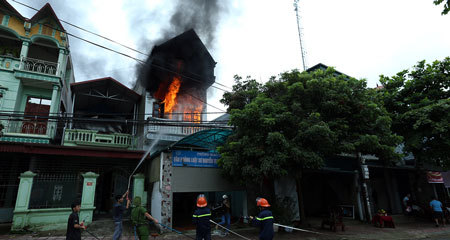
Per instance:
x=360, y=38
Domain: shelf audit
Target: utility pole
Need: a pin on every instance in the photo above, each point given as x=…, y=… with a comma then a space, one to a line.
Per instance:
x=303, y=53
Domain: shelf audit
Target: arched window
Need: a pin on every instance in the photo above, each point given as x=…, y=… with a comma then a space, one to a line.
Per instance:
x=44, y=49
x=10, y=45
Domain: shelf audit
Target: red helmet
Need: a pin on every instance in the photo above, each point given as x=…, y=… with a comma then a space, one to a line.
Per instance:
x=201, y=201
x=262, y=202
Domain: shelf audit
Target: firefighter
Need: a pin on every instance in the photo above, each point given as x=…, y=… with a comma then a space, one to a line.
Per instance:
x=201, y=218
x=139, y=216
x=264, y=220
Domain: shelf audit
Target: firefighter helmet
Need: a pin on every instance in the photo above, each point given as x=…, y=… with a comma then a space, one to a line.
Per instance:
x=262, y=202
x=201, y=201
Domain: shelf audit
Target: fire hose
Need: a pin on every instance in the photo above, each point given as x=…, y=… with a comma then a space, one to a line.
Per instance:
x=235, y=233
x=85, y=229
x=174, y=230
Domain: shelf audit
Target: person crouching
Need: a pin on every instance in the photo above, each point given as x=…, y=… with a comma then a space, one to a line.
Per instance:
x=201, y=218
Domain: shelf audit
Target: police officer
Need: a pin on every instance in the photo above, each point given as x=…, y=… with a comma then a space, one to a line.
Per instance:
x=201, y=218
x=139, y=216
x=264, y=220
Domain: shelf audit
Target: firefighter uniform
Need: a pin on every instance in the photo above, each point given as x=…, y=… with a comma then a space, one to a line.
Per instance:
x=139, y=220
x=201, y=218
x=264, y=220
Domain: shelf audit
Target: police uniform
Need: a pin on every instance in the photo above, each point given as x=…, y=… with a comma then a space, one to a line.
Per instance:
x=264, y=221
x=139, y=220
x=201, y=218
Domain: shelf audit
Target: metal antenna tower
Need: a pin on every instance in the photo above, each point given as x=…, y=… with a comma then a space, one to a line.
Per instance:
x=297, y=10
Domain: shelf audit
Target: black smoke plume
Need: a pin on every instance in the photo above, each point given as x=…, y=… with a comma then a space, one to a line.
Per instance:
x=198, y=16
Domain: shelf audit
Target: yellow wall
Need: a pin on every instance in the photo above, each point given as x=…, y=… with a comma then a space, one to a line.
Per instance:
x=17, y=25
x=34, y=30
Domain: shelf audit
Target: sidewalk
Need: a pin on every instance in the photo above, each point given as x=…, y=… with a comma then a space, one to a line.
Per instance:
x=407, y=229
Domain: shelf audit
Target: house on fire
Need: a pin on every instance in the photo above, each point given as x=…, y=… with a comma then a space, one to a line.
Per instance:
x=183, y=157
x=62, y=140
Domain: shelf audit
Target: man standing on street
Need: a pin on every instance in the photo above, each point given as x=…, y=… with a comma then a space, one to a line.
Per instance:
x=118, y=214
x=73, y=225
x=139, y=216
x=436, y=207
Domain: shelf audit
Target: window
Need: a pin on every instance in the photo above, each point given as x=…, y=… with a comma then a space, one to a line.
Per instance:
x=35, y=110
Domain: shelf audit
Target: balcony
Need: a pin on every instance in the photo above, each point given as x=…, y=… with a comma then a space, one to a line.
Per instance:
x=171, y=133
x=39, y=66
x=27, y=130
x=83, y=137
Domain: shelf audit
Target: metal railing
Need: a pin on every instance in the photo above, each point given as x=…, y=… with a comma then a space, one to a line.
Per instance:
x=26, y=126
x=37, y=65
x=93, y=138
x=175, y=130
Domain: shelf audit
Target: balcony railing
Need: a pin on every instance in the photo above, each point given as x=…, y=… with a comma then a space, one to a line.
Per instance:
x=75, y=137
x=26, y=126
x=171, y=133
x=40, y=66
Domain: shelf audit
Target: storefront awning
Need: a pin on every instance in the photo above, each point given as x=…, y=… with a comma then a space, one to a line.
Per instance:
x=207, y=139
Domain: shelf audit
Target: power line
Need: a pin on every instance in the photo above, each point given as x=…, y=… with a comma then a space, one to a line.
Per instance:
x=83, y=29
x=152, y=121
x=105, y=114
x=106, y=38
x=126, y=55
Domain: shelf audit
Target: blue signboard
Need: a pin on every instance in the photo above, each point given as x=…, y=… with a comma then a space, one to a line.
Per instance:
x=194, y=159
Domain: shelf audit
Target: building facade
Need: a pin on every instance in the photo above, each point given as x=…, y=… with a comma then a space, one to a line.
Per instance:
x=35, y=77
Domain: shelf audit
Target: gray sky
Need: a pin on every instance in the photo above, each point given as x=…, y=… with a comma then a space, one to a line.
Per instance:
x=360, y=38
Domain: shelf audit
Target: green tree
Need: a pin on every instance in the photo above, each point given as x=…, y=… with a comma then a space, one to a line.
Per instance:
x=446, y=6
x=295, y=122
x=419, y=103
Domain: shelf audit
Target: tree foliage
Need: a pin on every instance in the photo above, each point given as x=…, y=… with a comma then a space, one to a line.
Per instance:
x=419, y=103
x=446, y=9
x=300, y=119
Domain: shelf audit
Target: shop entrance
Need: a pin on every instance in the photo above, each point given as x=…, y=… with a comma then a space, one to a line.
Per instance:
x=184, y=205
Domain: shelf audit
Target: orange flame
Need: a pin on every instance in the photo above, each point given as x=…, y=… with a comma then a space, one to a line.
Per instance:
x=170, y=100
x=193, y=110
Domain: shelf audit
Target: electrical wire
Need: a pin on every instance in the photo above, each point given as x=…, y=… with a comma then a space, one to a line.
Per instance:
x=108, y=114
x=126, y=55
x=106, y=38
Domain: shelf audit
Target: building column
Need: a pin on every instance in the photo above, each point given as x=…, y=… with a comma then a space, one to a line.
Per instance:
x=138, y=188
x=54, y=107
x=22, y=201
x=61, y=60
x=87, y=199
x=24, y=52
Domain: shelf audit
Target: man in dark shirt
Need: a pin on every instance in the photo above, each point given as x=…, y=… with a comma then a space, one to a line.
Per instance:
x=73, y=225
x=118, y=214
x=264, y=220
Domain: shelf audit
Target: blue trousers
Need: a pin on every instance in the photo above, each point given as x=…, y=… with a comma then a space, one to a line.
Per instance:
x=117, y=230
x=226, y=220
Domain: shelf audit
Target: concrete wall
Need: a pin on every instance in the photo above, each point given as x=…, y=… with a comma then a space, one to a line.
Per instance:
x=197, y=179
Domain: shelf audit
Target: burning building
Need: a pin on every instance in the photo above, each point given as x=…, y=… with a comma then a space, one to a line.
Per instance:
x=176, y=76
x=174, y=81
